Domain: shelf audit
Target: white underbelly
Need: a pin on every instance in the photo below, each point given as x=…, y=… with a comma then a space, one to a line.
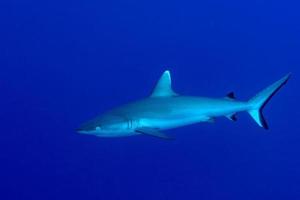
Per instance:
x=171, y=123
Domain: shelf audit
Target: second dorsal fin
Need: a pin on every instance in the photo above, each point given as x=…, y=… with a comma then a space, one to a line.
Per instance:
x=230, y=95
x=163, y=87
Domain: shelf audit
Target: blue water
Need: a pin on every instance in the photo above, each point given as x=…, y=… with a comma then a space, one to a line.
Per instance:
x=63, y=62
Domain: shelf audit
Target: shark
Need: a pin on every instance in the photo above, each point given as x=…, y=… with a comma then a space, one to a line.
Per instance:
x=165, y=109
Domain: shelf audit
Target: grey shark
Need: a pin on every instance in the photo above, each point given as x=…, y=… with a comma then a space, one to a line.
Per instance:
x=165, y=109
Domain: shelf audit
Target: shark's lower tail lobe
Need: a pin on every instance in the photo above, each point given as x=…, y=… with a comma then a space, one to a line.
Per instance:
x=258, y=102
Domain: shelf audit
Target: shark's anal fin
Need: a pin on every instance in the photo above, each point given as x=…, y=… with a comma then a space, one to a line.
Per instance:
x=152, y=132
x=232, y=117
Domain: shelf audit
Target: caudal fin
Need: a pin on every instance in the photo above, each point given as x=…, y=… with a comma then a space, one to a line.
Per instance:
x=258, y=102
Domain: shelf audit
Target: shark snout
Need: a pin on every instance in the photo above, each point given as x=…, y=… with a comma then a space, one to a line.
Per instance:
x=88, y=130
x=80, y=130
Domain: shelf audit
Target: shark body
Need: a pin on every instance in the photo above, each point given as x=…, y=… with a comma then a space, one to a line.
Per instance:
x=165, y=109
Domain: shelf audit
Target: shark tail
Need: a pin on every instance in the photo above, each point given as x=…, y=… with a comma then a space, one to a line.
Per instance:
x=259, y=101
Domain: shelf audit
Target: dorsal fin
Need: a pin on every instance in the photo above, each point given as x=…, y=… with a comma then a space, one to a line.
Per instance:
x=230, y=95
x=163, y=87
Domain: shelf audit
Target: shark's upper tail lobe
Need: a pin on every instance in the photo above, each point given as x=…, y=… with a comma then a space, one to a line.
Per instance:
x=258, y=102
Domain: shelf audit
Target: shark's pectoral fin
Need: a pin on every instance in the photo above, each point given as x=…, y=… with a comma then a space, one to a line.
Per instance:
x=152, y=132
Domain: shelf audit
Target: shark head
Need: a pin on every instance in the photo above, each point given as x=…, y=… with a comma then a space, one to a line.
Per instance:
x=106, y=126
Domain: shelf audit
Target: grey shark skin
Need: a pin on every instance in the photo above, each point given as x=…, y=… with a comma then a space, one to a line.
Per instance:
x=165, y=109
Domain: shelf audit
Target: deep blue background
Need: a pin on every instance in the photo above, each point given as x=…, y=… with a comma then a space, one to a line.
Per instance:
x=63, y=62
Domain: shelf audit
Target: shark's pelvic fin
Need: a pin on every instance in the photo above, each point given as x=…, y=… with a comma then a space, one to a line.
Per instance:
x=152, y=132
x=258, y=102
x=163, y=87
x=211, y=120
